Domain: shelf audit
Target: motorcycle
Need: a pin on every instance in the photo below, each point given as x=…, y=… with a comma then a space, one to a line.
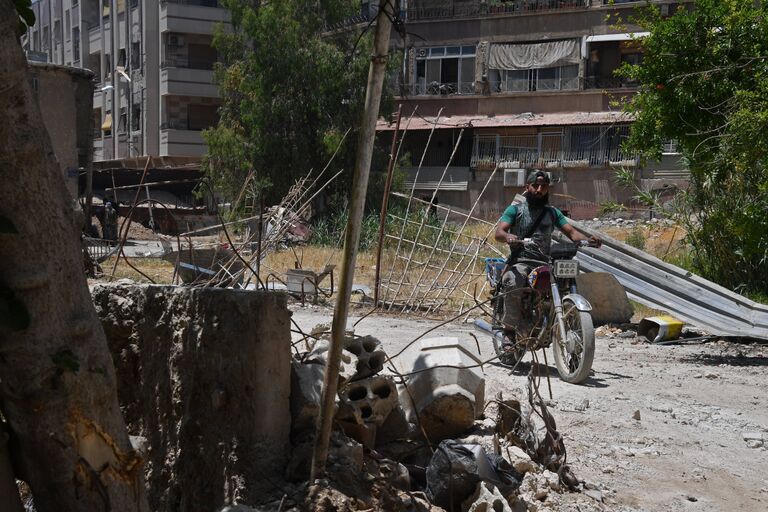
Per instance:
x=557, y=314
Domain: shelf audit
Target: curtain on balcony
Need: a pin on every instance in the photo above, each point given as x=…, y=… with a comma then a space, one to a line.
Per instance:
x=534, y=56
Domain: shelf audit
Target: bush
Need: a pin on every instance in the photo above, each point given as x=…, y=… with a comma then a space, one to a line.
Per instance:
x=636, y=238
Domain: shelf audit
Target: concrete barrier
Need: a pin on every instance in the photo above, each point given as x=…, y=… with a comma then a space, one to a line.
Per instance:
x=445, y=388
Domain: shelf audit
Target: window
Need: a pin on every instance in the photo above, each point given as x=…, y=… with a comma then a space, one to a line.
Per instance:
x=136, y=55
x=122, y=125
x=445, y=70
x=121, y=58
x=76, y=43
x=67, y=25
x=200, y=117
x=136, y=117
x=201, y=56
x=57, y=31
x=558, y=78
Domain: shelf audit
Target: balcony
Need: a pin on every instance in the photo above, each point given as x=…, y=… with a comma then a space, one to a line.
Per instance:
x=191, y=16
x=598, y=82
x=438, y=89
x=440, y=9
x=188, y=82
x=569, y=147
x=176, y=140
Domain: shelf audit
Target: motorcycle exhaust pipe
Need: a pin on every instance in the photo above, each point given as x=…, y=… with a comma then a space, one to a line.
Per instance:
x=496, y=334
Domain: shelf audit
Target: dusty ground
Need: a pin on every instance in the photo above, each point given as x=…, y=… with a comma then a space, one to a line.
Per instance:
x=686, y=452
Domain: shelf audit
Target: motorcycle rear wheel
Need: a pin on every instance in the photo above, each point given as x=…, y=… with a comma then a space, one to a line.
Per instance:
x=575, y=354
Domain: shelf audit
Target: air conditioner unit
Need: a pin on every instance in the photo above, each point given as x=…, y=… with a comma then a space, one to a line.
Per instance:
x=514, y=177
x=664, y=9
x=175, y=40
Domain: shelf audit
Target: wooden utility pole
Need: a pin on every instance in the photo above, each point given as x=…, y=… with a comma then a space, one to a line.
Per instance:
x=365, y=144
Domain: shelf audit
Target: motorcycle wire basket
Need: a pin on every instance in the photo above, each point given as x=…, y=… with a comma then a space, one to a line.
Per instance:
x=493, y=269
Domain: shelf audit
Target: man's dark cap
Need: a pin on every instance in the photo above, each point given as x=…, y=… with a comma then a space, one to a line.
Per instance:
x=535, y=175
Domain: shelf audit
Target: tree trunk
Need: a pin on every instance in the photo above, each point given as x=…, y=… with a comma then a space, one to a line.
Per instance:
x=57, y=381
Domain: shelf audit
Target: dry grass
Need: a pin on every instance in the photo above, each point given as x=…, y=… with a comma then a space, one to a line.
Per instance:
x=160, y=271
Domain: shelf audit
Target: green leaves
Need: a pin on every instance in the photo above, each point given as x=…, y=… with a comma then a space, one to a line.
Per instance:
x=704, y=82
x=288, y=92
x=27, y=15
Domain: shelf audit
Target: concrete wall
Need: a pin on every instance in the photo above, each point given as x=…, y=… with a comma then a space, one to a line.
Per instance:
x=204, y=375
x=64, y=97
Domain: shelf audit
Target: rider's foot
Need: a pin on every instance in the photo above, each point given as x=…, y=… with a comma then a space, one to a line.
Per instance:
x=509, y=341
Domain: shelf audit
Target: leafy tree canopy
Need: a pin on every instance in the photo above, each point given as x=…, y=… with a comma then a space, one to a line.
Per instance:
x=289, y=94
x=704, y=82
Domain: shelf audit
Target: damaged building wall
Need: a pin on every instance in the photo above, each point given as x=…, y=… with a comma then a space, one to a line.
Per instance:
x=65, y=96
x=204, y=376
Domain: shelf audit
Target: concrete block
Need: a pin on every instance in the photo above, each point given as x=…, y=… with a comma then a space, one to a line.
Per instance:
x=486, y=498
x=607, y=297
x=368, y=401
x=445, y=387
x=204, y=375
x=370, y=356
x=347, y=367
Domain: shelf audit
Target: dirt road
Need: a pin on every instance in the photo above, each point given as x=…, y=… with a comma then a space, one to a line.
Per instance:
x=696, y=404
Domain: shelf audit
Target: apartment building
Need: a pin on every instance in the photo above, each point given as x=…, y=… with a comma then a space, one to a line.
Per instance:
x=523, y=83
x=153, y=64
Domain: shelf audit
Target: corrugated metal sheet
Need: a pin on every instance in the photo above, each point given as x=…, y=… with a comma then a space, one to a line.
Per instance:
x=527, y=119
x=659, y=285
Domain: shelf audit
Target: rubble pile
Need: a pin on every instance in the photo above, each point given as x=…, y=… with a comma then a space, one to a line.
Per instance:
x=420, y=435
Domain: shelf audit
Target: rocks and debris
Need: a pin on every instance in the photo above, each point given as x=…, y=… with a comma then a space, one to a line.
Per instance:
x=456, y=469
x=382, y=454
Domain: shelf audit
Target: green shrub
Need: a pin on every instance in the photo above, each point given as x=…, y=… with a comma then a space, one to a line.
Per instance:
x=636, y=238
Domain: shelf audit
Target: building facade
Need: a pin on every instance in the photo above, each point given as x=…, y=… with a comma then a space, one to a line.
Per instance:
x=154, y=89
x=516, y=84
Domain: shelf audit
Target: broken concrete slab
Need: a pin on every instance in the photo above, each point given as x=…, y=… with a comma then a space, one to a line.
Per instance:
x=187, y=358
x=306, y=393
x=445, y=388
x=609, y=301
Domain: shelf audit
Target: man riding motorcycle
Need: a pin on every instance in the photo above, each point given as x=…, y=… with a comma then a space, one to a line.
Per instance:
x=528, y=217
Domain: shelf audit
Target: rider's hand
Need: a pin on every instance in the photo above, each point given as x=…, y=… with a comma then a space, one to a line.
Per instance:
x=513, y=241
x=595, y=242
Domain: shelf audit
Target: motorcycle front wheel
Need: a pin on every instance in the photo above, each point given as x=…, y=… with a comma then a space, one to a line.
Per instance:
x=574, y=355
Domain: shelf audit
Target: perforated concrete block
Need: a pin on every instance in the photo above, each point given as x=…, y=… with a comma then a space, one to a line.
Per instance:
x=368, y=401
x=370, y=356
x=445, y=386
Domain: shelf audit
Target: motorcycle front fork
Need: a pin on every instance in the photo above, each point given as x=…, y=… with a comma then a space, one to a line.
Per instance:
x=558, y=307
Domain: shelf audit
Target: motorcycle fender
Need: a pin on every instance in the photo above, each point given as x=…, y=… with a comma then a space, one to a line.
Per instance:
x=582, y=304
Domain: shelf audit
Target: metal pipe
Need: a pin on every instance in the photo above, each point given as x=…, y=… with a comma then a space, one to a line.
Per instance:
x=365, y=145
x=384, y=207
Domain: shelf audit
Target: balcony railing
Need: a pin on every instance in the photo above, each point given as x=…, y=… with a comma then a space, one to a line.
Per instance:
x=597, y=82
x=583, y=146
x=187, y=63
x=438, y=9
x=201, y=3
x=438, y=89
